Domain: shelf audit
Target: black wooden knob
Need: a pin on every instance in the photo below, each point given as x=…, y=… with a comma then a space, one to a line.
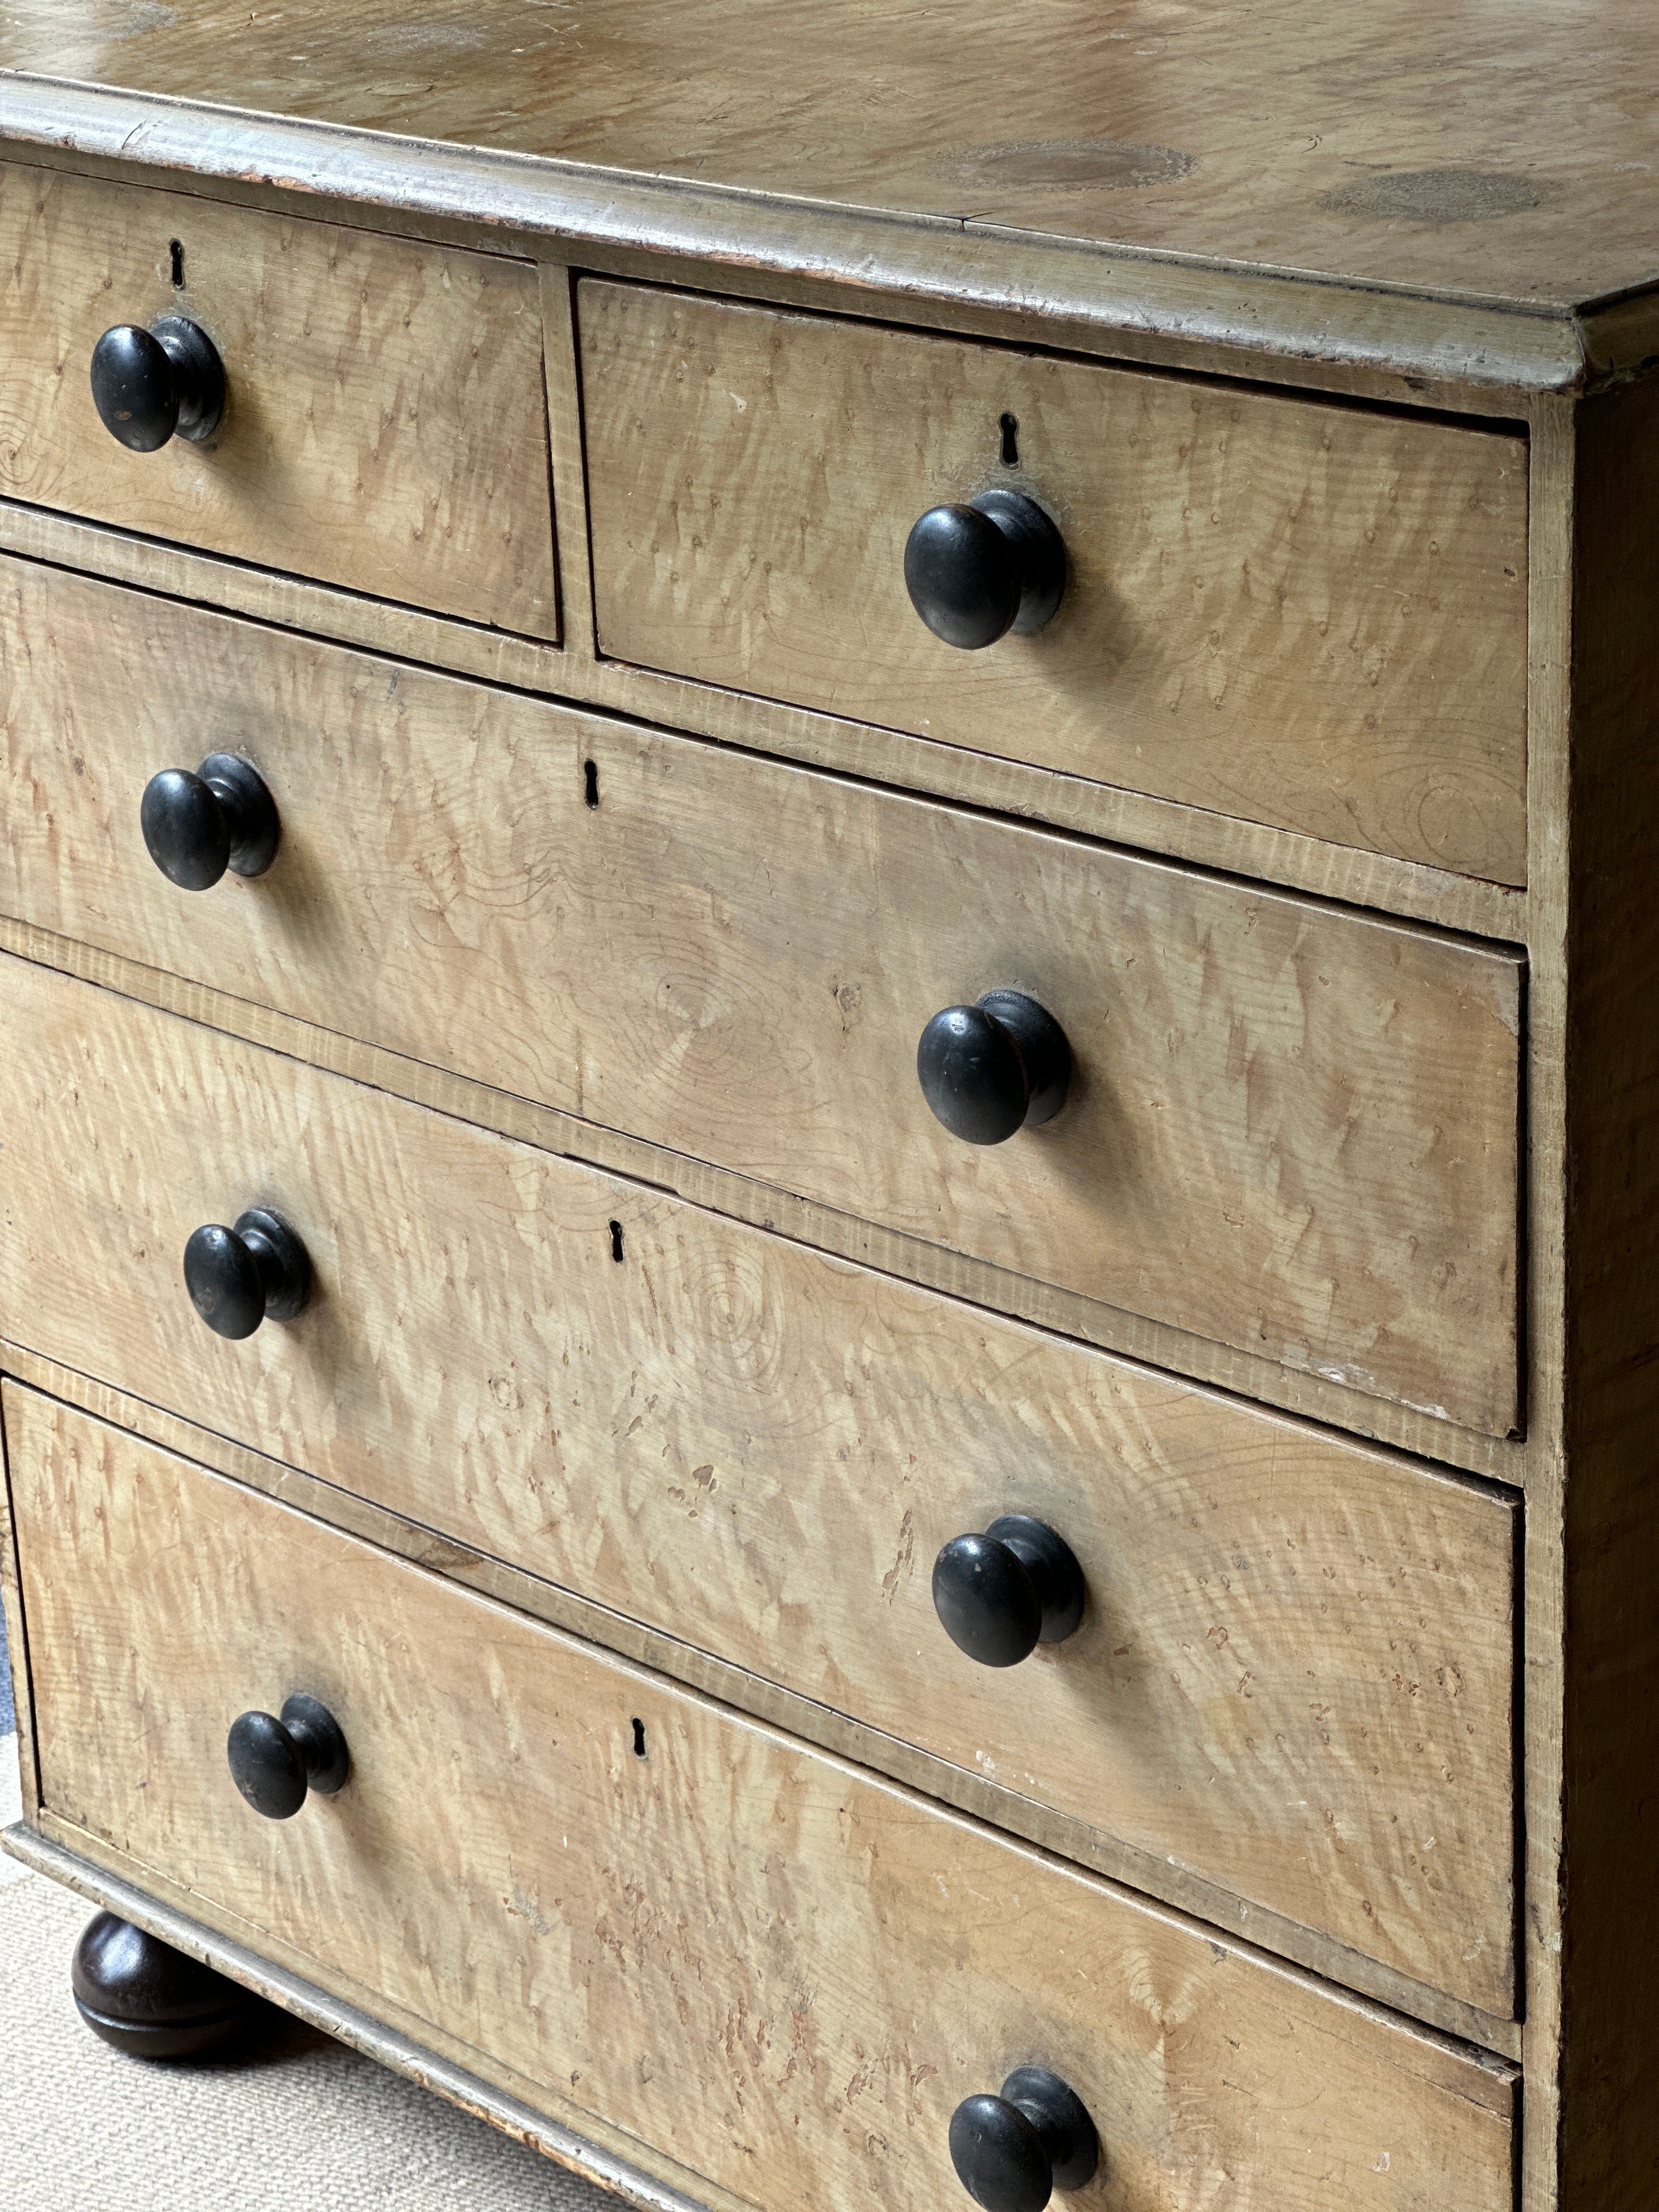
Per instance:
x=237, y=1277
x=277, y=1762
x=1002, y=1594
x=148, y=384
x=195, y=826
x=975, y=572
x=1011, y=2152
x=995, y=1068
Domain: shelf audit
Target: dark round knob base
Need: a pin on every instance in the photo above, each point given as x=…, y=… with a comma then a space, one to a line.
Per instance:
x=1043, y=1051
x=238, y=1277
x=999, y=1596
x=149, y=385
x=975, y=572
x=1011, y=2152
x=994, y=1068
x=276, y=1761
x=1040, y=552
x=151, y=2001
x=195, y=826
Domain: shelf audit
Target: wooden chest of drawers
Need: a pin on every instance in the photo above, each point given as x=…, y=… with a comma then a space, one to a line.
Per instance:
x=857, y=878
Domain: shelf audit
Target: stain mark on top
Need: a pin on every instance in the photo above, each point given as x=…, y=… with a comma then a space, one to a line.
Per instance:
x=1441, y=195
x=405, y=39
x=1070, y=164
x=137, y=17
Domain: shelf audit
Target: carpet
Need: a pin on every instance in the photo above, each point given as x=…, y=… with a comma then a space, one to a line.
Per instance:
x=309, y=2123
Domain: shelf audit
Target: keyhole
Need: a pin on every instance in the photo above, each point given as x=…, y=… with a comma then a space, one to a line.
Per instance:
x=616, y=1240
x=1009, y=426
x=590, y=773
x=176, y=255
x=639, y=1739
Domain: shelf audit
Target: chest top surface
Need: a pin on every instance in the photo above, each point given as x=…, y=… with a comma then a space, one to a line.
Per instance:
x=1457, y=149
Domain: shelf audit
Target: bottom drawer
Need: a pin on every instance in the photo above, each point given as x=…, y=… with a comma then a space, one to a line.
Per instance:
x=771, y=1967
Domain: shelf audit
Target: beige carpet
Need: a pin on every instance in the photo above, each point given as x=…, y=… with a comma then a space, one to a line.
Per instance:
x=83, y=2129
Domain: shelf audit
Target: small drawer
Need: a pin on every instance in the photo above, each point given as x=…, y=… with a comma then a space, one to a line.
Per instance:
x=1289, y=1128
x=385, y=424
x=774, y=1968
x=1303, y=614
x=1291, y=1674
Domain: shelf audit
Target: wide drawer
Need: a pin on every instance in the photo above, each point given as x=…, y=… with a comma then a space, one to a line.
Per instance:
x=1305, y=614
x=1292, y=1129
x=1294, y=1673
x=769, y=1966
x=387, y=424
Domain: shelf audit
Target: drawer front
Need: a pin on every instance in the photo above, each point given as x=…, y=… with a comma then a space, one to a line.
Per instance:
x=1306, y=615
x=1294, y=1675
x=769, y=1966
x=387, y=424
x=1292, y=1129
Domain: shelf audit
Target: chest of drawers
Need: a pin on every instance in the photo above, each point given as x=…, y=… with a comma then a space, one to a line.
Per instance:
x=829, y=1279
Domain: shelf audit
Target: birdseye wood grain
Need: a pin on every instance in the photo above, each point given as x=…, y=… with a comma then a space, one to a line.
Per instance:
x=1308, y=615
x=1295, y=1674
x=386, y=424
x=761, y=1960
x=1292, y=1129
x=1416, y=1179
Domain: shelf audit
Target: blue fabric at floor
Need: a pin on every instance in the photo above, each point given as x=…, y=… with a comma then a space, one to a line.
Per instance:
x=7, y=1718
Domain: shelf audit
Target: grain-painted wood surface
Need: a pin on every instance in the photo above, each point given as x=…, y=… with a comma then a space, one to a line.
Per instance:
x=1294, y=1677
x=773, y=1967
x=1470, y=154
x=1292, y=1130
x=861, y=748
x=1242, y=1373
x=1463, y=354
x=387, y=425
x=1310, y=615
x=1162, y=1880
x=1597, y=1746
x=308, y=1988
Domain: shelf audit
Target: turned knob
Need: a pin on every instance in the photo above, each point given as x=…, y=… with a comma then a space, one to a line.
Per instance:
x=975, y=572
x=1000, y=1594
x=277, y=1762
x=197, y=825
x=237, y=1277
x=148, y=384
x=995, y=1068
x=1011, y=2152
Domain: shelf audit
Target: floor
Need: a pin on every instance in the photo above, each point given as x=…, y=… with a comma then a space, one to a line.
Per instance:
x=311, y=2124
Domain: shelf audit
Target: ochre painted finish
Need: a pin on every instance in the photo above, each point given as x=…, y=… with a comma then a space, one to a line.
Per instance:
x=1450, y=213
x=1477, y=907
x=763, y=1962
x=1469, y=151
x=1295, y=1676
x=1308, y=615
x=1292, y=1129
x=426, y=481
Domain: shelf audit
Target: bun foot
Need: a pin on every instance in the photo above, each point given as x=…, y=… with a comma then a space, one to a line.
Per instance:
x=152, y=2002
